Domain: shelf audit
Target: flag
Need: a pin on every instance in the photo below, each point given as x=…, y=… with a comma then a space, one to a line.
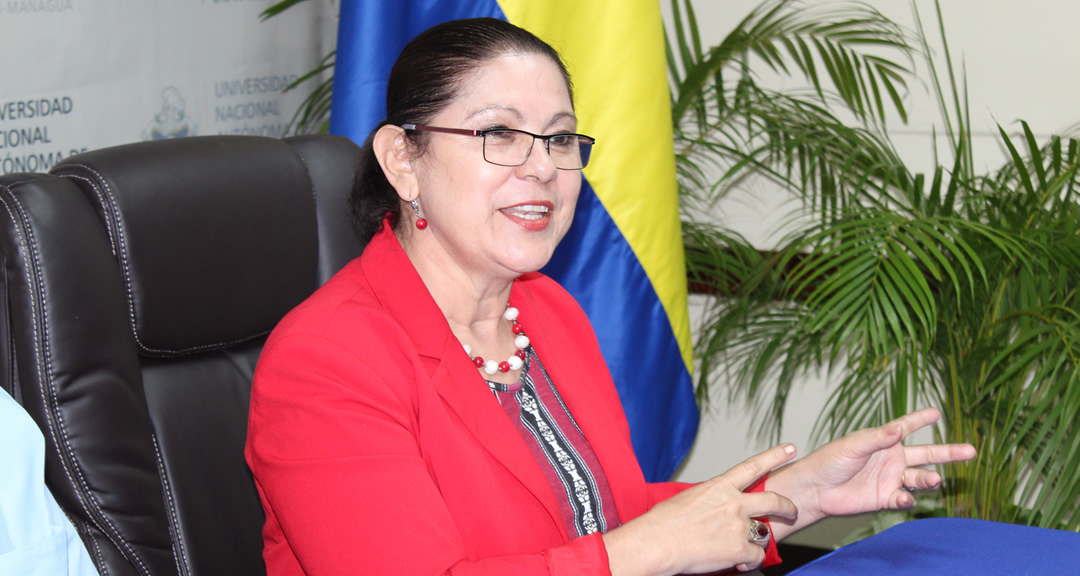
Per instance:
x=623, y=257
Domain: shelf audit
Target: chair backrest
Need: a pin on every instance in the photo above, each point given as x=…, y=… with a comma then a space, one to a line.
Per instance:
x=139, y=283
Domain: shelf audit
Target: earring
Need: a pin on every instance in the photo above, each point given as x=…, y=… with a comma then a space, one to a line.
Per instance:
x=421, y=223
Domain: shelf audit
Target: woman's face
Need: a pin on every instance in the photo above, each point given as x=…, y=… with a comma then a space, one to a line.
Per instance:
x=497, y=221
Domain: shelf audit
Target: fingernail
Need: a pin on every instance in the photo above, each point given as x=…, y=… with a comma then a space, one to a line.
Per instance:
x=789, y=448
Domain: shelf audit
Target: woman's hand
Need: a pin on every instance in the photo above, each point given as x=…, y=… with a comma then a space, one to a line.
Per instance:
x=705, y=528
x=864, y=471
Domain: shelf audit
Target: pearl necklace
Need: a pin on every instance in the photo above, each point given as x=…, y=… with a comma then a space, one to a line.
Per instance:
x=515, y=362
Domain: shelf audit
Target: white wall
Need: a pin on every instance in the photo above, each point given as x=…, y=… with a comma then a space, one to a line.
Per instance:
x=1020, y=62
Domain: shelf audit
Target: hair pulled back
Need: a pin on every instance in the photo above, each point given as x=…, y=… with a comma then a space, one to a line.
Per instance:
x=425, y=79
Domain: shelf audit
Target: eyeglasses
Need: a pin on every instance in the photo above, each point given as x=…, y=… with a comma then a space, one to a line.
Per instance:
x=509, y=147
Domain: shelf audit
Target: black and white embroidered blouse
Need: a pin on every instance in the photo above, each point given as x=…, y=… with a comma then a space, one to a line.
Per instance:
x=544, y=422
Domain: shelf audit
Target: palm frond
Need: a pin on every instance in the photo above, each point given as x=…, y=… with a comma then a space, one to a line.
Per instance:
x=278, y=8
x=844, y=39
x=313, y=115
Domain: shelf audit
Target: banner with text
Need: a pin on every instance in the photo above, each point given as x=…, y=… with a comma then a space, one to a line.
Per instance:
x=76, y=75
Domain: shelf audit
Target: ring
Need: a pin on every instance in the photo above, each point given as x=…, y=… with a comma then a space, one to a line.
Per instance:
x=759, y=532
x=903, y=484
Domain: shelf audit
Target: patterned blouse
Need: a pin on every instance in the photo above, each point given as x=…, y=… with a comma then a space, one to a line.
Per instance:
x=544, y=422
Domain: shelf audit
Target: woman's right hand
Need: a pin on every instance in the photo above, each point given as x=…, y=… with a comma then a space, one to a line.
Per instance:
x=704, y=528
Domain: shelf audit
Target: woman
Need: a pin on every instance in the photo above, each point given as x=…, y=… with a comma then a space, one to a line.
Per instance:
x=440, y=407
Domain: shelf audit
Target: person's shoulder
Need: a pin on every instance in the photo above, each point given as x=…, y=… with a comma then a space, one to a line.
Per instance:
x=345, y=300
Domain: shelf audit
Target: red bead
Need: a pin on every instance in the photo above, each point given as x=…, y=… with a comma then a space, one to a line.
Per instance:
x=520, y=354
x=478, y=361
x=421, y=223
x=504, y=366
x=518, y=328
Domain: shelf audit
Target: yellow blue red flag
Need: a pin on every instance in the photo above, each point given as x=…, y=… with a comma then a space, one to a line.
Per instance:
x=623, y=257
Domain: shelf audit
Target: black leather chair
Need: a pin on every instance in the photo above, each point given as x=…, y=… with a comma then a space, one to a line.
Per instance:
x=139, y=283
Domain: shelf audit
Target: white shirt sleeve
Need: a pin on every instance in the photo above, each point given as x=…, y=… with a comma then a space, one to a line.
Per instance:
x=35, y=535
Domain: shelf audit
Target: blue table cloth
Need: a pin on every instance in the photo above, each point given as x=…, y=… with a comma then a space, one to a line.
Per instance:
x=954, y=546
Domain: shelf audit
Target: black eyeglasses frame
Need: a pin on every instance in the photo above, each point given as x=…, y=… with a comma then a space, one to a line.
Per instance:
x=546, y=138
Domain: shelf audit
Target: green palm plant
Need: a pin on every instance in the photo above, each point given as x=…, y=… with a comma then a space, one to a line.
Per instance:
x=729, y=126
x=957, y=290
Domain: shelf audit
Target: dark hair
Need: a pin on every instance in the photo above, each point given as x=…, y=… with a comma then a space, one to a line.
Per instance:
x=424, y=80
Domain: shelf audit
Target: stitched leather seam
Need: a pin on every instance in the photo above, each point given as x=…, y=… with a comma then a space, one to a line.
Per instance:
x=20, y=227
x=119, y=249
x=18, y=218
x=100, y=564
x=93, y=186
x=86, y=534
x=307, y=170
x=174, y=522
x=202, y=347
x=112, y=216
x=42, y=358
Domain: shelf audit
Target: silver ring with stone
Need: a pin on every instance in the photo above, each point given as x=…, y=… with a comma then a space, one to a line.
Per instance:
x=759, y=532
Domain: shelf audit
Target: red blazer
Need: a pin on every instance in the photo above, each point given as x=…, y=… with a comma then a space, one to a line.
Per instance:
x=377, y=447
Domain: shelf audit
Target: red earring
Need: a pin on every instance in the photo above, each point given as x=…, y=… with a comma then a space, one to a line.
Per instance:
x=421, y=223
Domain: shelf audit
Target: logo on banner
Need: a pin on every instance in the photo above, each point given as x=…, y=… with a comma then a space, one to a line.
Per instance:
x=172, y=121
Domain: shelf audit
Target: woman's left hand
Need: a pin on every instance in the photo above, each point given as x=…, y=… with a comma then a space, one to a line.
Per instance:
x=864, y=471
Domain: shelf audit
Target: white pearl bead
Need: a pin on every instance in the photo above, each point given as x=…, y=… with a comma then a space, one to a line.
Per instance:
x=515, y=363
x=468, y=350
x=491, y=367
x=511, y=314
x=522, y=341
